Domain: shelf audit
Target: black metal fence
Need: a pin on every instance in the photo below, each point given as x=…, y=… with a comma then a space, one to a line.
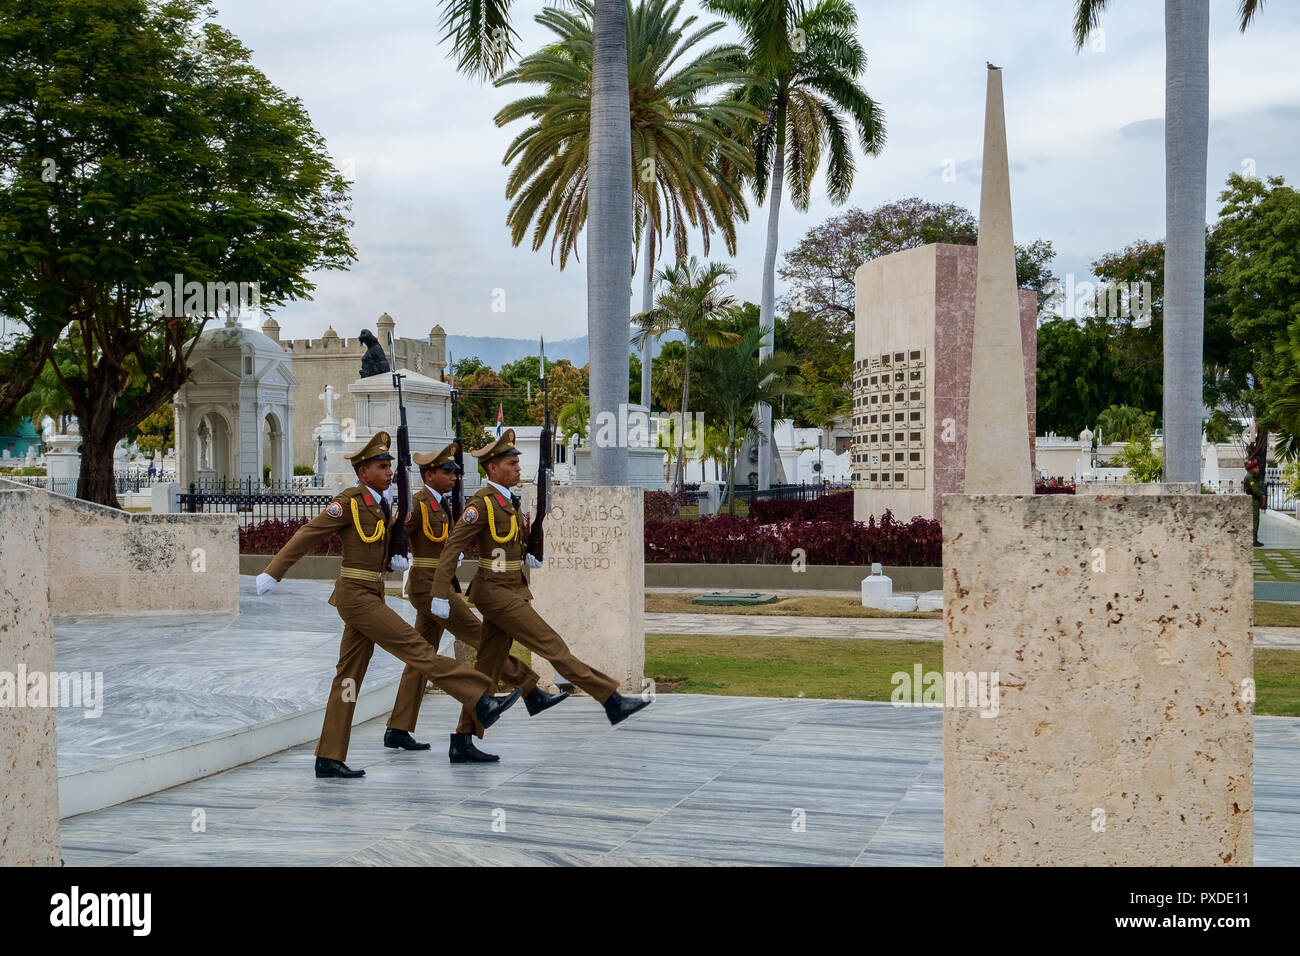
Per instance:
x=249, y=485
x=799, y=492
x=1278, y=496
x=253, y=508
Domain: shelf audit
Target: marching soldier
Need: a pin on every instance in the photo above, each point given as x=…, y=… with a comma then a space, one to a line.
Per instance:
x=362, y=518
x=427, y=529
x=500, y=589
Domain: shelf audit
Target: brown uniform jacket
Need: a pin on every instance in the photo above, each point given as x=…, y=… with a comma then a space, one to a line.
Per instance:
x=357, y=553
x=501, y=557
x=428, y=521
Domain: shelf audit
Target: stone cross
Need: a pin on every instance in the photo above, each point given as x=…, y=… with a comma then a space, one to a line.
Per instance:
x=328, y=397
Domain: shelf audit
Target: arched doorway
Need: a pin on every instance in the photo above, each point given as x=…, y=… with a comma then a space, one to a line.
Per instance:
x=212, y=449
x=273, y=451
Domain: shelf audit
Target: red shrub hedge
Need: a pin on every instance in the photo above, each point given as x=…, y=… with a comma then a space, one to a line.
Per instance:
x=838, y=506
x=663, y=505
x=1054, y=487
x=722, y=539
x=268, y=537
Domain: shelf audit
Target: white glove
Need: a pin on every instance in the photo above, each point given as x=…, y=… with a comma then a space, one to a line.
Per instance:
x=399, y=562
x=441, y=607
x=265, y=583
x=533, y=562
x=460, y=560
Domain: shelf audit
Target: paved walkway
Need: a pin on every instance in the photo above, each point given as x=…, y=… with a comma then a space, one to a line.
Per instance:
x=861, y=628
x=691, y=780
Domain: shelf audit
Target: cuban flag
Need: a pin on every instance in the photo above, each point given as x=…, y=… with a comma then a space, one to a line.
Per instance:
x=499, y=420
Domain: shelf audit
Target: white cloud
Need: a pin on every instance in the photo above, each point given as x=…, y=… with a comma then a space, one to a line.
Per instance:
x=429, y=200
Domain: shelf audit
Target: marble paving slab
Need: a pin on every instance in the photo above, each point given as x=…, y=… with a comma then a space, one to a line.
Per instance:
x=692, y=780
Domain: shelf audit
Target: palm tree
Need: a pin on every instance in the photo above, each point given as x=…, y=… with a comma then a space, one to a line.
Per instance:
x=1187, y=119
x=739, y=378
x=483, y=41
x=806, y=61
x=688, y=154
x=691, y=303
x=680, y=145
x=573, y=418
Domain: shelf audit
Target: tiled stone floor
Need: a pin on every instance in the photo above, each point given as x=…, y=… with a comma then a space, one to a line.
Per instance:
x=690, y=780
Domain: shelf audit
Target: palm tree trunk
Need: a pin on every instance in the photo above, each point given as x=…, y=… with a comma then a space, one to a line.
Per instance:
x=681, y=432
x=609, y=233
x=647, y=303
x=1187, y=111
x=767, y=307
x=731, y=465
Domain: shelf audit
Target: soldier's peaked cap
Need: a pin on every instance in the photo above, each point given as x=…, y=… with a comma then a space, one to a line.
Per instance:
x=438, y=459
x=376, y=448
x=505, y=445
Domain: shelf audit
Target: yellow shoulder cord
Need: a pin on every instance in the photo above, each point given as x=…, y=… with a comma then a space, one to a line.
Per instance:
x=356, y=520
x=492, y=524
x=428, y=532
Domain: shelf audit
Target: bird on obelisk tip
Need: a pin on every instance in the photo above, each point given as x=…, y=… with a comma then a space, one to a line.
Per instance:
x=991, y=66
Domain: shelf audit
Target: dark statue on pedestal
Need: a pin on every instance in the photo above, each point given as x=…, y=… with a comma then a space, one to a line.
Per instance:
x=373, y=362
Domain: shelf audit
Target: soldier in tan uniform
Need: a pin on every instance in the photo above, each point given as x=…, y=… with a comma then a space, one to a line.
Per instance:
x=362, y=518
x=427, y=529
x=500, y=589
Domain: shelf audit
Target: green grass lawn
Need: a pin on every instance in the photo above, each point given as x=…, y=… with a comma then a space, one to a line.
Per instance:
x=1277, y=564
x=841, y=669
x=801, y=606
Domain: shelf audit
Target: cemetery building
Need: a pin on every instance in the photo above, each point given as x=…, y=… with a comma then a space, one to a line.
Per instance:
x=914, y=320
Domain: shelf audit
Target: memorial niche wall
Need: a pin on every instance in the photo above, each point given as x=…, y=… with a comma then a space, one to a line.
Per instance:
x=890, y=420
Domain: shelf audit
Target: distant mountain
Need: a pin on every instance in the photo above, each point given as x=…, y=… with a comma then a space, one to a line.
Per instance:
x=497, y=352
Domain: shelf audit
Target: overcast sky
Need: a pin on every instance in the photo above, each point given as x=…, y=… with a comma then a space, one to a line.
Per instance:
x=1085, y=134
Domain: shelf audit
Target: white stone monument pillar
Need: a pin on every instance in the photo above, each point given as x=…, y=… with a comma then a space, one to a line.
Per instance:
x=63, y=463
x=592, y=587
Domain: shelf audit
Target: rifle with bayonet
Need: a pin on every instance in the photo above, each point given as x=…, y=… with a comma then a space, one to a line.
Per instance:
x=545, y=466
x=397, y=541
x=458, y=490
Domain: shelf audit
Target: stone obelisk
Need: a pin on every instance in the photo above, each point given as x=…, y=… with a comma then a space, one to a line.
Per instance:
x=1099, y=675
x=997, y=443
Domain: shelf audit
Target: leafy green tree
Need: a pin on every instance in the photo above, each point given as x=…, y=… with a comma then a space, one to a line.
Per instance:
x=806, y=63
x=566, y=381
x=1075, y=380
x=820, y=270
x=155, y=435
x=1142, y=462
x=668, y=377
x=1259, y=227
x=692, y=303
x=1124, y=423
x=740, y=379
x=1187, y=121
x=167, y=162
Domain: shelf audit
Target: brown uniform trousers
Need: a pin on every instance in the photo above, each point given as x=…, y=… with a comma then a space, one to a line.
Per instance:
x=500, y=592
x=427, y=529
x=359, y=597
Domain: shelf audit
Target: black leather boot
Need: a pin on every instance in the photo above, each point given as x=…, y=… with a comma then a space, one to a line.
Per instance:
x=462, y=750
x=335, y=768
x=402, y=740
x=619, y=708
x=489, y=709
x=538, y=700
